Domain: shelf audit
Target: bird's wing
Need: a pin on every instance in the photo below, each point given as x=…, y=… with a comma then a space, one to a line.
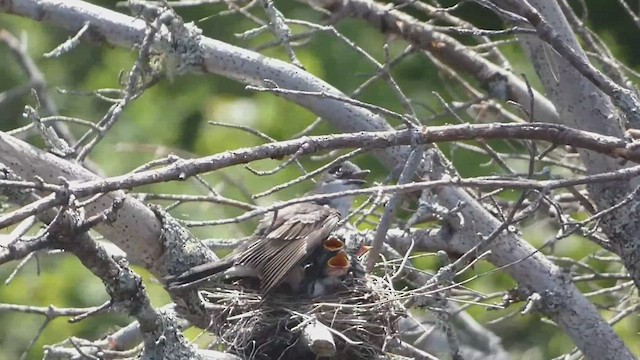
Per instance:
x=276, y=219
x=293, y=234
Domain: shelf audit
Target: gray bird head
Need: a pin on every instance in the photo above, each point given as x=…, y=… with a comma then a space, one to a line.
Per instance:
x=340, y=177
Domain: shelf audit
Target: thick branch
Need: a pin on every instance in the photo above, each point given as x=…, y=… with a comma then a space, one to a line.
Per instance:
x=624, y=98
x=142, y=244
x=574, y=313
x=584, y=97
x=443, y=47
x=182, y=169
x=127, y=291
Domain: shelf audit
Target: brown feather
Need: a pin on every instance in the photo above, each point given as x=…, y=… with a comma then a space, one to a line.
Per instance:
x=284, y=238
x=296, y=231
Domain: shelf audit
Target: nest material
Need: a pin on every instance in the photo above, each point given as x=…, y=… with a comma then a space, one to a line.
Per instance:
x=362, y=319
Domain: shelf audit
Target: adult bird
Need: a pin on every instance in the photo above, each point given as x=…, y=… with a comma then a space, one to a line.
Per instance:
x=284, y=239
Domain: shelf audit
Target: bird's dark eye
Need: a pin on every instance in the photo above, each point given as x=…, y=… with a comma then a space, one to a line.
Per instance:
x=335, y=170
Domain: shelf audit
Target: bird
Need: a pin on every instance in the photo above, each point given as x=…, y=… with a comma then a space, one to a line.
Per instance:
x=327, y=274
x=324, y=278
x=286, y=237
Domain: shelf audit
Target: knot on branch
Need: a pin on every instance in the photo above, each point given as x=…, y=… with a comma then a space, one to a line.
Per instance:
x=549, y=302
x=181, y=250
x=176, y=45
x=14, y=194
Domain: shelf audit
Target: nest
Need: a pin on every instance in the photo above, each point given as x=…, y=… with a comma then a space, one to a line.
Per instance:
x=355, y=323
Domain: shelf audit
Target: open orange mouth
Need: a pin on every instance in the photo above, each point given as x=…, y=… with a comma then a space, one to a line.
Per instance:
x=333, y=244
x=338, y=265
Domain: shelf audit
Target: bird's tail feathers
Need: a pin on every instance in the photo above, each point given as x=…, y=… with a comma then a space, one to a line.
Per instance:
x=198, y=274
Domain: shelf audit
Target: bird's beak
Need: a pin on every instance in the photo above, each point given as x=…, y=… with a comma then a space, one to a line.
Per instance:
x=362, y=174
x=333, y=244
x=362, y=250
x=358, y=177
x=339, y=265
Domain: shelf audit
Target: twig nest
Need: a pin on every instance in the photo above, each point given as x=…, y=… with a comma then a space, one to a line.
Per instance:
x=354, y=323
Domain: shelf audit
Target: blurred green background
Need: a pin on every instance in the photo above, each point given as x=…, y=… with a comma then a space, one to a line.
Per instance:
x=172, y=118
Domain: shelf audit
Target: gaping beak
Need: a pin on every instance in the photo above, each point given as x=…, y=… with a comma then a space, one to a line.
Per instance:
x=339, y=265
x=333, y=244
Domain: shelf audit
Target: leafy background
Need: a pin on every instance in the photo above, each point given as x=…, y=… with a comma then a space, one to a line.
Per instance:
x=172, y=118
